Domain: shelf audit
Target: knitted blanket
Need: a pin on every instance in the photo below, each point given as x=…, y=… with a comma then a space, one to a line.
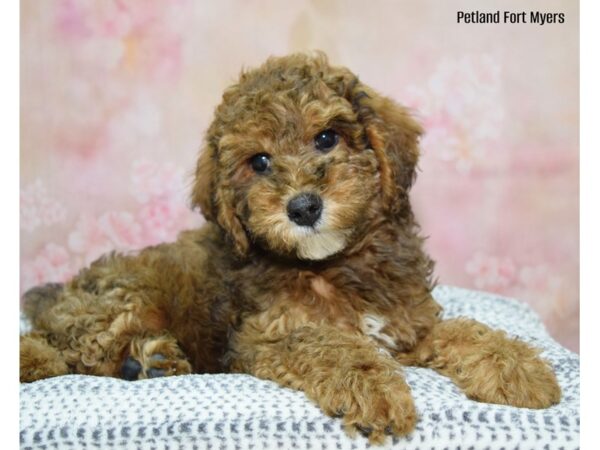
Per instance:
x=230, y=411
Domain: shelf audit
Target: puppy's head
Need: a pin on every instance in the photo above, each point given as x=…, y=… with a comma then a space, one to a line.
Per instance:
x=301, y=157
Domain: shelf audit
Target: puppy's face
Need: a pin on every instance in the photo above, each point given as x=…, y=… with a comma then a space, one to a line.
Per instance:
x=302, y=176
x=298, y=161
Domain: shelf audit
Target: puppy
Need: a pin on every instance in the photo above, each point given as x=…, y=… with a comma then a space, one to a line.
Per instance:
x=310, y=271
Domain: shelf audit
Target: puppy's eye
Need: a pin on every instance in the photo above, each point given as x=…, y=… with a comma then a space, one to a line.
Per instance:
x=261, y=163
x=326, y=140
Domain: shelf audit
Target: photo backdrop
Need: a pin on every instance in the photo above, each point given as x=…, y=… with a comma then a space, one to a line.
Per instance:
x=116, y=95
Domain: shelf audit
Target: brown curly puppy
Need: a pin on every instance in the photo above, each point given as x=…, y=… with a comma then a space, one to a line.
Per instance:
x=310, y=271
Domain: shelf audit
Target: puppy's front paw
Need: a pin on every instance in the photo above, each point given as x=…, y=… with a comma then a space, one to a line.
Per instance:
x=371, y=403
x=154, y=357
x=512, y=374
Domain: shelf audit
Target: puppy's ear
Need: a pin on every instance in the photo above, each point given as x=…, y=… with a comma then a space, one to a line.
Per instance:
x=202, y=191
x=394, y=136
x=216, y=199
x=391, y=132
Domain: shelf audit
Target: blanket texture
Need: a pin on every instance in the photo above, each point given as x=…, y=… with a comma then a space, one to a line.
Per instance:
x=241, y=412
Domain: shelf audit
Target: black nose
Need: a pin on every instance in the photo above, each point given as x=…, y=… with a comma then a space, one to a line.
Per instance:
x=305, y=209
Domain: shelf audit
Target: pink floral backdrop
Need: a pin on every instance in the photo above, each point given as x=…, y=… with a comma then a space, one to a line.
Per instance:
x=115, y=96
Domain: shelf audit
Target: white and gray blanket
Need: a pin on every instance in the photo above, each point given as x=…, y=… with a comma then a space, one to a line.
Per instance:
x=241, y=412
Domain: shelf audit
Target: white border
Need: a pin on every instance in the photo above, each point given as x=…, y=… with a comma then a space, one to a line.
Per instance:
x=9, y=166
x=590, y=217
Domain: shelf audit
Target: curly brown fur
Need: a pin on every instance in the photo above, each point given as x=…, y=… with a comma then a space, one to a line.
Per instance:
x=333, y=308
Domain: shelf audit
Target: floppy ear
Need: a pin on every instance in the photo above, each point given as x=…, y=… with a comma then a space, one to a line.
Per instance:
x=202, y=191
x=392, y=134
x=394, y=137
x=216, y=199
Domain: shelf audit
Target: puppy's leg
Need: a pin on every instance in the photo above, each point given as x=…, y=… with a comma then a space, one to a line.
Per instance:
x=95, y=333
x=154, y=356
x=147, y=357
x=487, y=365
x=130, y=342
x=120, y=306
x=343, y=373
x=38, y=359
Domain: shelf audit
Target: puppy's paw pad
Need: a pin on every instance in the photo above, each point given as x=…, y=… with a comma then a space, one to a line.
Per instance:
x=156, y=372
x=130, y=369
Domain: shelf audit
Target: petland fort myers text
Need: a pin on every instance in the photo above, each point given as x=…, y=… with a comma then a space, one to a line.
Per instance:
x=533, y=17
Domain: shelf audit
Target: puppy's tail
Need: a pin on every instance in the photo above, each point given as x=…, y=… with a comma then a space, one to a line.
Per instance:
x=37, y=300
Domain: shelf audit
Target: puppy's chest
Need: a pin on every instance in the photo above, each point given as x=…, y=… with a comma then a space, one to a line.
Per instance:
x=325, y=301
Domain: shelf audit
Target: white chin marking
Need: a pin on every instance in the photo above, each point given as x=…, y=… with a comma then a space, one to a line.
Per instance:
x=317, y=245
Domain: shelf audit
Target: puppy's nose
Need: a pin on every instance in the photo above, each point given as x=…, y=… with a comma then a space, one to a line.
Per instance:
x=305, y=209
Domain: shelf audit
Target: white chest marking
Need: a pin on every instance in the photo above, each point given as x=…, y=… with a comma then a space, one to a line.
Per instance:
x=372, y=325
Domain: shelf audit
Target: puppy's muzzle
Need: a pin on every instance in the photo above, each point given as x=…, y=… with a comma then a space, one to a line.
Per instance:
x=305, y=209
